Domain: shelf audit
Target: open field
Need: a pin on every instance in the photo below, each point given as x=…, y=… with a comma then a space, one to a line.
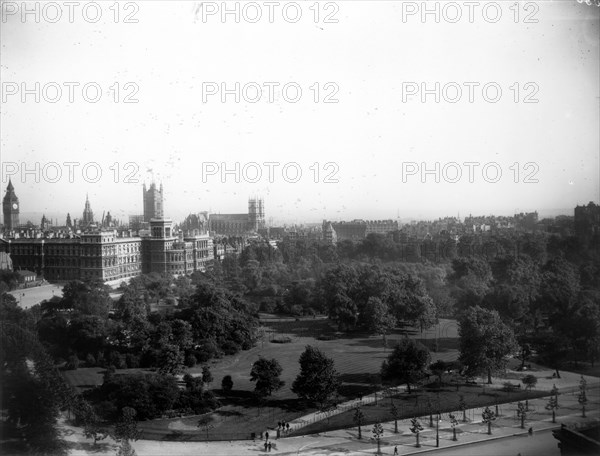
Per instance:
x=29, y=297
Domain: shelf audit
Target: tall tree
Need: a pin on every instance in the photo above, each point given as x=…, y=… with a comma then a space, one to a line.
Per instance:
x=406, y=363
x=318, y=381
x=266, y=372
x=377, y=318
x=485, y=341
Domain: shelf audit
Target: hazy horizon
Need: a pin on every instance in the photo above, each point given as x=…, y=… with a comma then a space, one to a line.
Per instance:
x=541, y=134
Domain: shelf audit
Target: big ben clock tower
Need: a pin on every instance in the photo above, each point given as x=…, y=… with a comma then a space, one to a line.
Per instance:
x=10, y=208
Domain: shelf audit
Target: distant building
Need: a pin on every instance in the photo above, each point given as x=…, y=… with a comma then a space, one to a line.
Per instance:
x=587, y=220
x=329, y=234
x=136, y=222
x=103, y=252
x=153, y=202
x=88, y=215
x=239, y=224
x=10, y=208
x=360, y=229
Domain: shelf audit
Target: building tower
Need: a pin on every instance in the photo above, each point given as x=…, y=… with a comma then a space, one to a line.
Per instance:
x=88, y=215
x=10, y=208
x=256, y=214
x=252, y=215
x=153, y=202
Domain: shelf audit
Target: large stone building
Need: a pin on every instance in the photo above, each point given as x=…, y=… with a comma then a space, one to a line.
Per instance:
x=239, y=224
x=10, y=208
x=107, y=254
x=587, y=220
x=360, y=229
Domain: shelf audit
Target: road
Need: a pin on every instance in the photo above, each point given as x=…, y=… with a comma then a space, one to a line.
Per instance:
x=541, y=443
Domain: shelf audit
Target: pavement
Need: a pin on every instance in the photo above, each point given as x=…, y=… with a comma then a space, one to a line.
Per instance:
x=506, y=428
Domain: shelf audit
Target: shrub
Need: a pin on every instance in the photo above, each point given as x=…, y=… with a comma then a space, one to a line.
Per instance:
x=117, y=359
x=227, y=384
x=282, y=340
x=90, y=361
x=267, y=306
x=190, y=360
x=133, y=360
x=72, y=362
x=230, y=348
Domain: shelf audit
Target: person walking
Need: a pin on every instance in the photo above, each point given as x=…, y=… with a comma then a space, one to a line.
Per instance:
x=266, y=445
x=396, y=451
x=269, y=446
x=266, y=436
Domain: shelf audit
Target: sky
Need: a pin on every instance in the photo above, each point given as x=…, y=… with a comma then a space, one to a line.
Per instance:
x=363, y=131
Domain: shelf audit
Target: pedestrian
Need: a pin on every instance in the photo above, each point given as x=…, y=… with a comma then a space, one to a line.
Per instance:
x=266, y=436
x=287, y=426
x=279, y=425
x=269, y=446
x=395, y=450
x=266, y=446
x=530, y=431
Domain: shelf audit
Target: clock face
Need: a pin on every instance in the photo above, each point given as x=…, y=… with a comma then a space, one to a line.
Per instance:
x=15, y=206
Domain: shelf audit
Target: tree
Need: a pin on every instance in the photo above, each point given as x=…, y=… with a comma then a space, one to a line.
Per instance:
x=488, y=417
x=406, y=363
x=522, y=413
x=395, y=414
x=552, y=405
x=318, y=380
x=227, y=384
x=462, y=406
x=87, y=298
x=86, y=415
x=377, y=434
x=529, y=381
x=266, y=374
x=485, y=341
x=453, y=423
x=438, y=368
x=205, y=423
x=359, y=419
x=377, y=318
x=126, y=430
x=582, y=397
x=416, y=428
x=170, y=359
x=207, y=377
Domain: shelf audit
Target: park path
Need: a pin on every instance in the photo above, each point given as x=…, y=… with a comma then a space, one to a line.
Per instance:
x=345, y=441
x=568, y=382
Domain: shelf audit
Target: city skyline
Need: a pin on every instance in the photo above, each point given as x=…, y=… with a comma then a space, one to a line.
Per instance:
x=57, y=218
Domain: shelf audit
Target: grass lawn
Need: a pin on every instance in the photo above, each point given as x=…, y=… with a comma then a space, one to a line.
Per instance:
x=358, y=359
x=422, y=403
